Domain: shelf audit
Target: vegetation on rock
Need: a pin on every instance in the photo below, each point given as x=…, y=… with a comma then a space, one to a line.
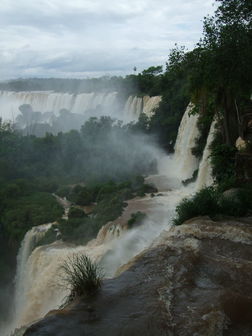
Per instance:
x=211, y=202
x=81, y=276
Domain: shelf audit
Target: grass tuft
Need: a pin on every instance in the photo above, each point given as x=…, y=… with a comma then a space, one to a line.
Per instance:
x=81, y=276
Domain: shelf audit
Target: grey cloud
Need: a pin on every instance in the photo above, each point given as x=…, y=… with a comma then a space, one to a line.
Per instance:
x=84, y=37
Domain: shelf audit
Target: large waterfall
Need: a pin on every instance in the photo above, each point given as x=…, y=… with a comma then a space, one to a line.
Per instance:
x=87, y=104
x=136, y=105
x=38, y=276
x=205, y=178
x=185, y=163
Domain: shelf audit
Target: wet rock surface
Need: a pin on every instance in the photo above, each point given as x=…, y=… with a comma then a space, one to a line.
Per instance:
x=195, y=280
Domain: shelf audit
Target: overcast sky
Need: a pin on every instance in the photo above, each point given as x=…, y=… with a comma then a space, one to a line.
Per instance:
x=85, y=38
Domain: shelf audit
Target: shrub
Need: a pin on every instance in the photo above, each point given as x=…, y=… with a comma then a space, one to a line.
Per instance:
x=81, y=195
x=136, y=219
x=76, y=213
x=49, y=237
x=79, y=230
x=204, y=202
x=63, y=191
x=81, y=276
x=211, y=202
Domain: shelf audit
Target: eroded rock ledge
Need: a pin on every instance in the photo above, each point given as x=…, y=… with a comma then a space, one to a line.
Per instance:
x=195, y=280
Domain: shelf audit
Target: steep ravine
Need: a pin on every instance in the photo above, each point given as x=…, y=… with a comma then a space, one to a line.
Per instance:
x=195, y=279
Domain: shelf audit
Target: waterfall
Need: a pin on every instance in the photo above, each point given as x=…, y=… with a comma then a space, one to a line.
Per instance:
x=150, y=104
x=134, y=106
x=87, y=104
x=184, y=162
x=28, y=244
x=205, y=178
x=38, y=275
x=38, y=284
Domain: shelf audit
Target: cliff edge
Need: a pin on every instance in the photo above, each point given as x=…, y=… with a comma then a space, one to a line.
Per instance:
x=195, y=279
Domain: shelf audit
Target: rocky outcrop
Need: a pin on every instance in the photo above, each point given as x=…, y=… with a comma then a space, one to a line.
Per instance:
x=195, y=279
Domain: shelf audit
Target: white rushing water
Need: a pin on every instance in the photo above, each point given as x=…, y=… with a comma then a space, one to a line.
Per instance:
x=88, y=104
x=38, y=275
x=205, y=178
x=184, y=162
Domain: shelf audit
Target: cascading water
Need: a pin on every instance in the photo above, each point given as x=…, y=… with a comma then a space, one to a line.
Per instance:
x=136, y=105
x=28, y=244
x=88, y=104
x=205, y=178
x=150, y=104
x=39, y=271
x=46, y=101
x=184, y=162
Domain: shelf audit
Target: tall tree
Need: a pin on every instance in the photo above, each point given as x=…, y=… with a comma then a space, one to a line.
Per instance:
x=223, y=58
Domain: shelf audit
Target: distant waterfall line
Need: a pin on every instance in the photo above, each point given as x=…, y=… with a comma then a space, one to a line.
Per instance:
x=90, y=104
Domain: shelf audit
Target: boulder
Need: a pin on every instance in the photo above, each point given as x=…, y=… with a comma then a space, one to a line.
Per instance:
x=232, y=193
x=240, y=144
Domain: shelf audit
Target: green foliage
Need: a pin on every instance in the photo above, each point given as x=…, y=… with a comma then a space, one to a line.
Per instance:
x=49, y=237
x=78, y=230
x=69, y=157
x=22, y=213
x=211, y=202
x=149, y=81
x=223, y=163
x=108, y=200
x=136, y=219
x=175, y=97
x=63, y=191
x=31, y=168
x=204, y=202
x=76, y=213
x=80, y=195
x=215, y=74
x=81, y=276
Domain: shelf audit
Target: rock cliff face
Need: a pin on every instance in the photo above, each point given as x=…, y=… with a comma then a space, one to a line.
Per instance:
x=195, y=279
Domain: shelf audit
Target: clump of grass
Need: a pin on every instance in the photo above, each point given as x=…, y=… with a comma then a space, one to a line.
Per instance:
x=81, y=276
